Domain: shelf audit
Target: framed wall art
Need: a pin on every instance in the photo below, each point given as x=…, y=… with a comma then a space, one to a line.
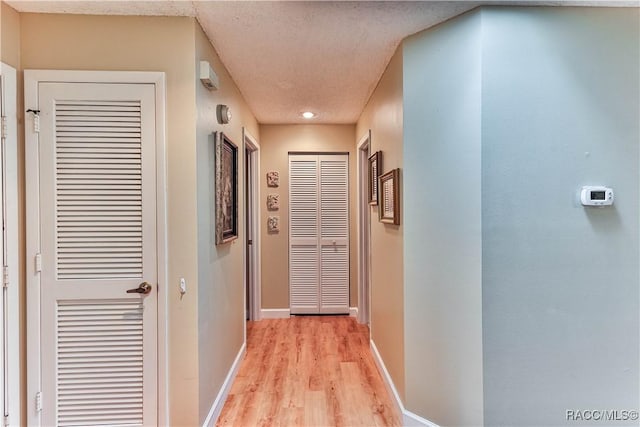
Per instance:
x=375, y=166
x=389, y=210
x=226, y=185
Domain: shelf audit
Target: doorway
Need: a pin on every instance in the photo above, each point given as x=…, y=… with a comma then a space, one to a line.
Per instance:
x=96, y=323
x=364, y=230
x=252, y=225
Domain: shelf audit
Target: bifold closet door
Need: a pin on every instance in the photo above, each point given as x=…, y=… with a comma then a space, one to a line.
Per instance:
x=319, y=234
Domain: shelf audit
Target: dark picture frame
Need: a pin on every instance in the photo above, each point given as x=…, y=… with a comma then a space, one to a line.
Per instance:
x=389, y=191
x=375, y=166
x=226, y=185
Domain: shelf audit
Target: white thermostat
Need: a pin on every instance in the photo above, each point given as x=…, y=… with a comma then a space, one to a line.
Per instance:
x=596, y=195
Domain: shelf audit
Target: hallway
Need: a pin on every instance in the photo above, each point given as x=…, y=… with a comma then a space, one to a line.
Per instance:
x=479, y=142
x=311, y=371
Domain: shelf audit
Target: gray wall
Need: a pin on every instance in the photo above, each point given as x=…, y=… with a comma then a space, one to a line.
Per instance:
x=441, y=205
x=560, y=109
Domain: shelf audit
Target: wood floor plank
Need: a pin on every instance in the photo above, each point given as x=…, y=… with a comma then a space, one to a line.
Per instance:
x=308, y=371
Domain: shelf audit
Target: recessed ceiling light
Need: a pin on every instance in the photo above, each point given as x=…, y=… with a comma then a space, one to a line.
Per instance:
x=308, y=115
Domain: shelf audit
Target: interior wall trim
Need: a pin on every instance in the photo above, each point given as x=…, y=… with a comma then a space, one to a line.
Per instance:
x=9, y=202
x=274, y=313
x=283, y=313
x=409, y=419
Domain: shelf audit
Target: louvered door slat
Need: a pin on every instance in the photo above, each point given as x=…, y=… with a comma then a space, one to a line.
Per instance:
x=77, y=168
x=335, y=279
x=304, y=279
x=304, y=199
x=334, y=199
x=103, y=378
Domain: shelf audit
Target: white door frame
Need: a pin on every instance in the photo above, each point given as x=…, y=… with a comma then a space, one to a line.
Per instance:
x=9, y=205
x=364, y=231
x=32, y=78
x=251, y=144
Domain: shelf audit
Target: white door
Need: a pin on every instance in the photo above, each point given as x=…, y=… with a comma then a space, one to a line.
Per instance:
x=97, y=195
x=319, y=234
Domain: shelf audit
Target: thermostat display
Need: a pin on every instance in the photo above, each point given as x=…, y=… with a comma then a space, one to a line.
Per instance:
x=596, y=196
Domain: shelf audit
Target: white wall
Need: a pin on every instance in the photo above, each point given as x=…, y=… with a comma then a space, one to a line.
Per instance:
x=561, y=109
x=441, y=203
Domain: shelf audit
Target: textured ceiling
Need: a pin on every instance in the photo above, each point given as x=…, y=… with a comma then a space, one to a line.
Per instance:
x=325, y=57
x=288, y=56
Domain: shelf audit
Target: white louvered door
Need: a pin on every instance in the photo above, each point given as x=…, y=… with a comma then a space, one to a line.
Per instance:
x=98, y=240
x=318, y=234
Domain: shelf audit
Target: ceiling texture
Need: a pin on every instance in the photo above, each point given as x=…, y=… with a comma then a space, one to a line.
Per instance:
x=292, y=56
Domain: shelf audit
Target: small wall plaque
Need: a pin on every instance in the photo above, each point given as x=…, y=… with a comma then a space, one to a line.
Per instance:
x=273, y=224
x=273, y=179
x=273, y=202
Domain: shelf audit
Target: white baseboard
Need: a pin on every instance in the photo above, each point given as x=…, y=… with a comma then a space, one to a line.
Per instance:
x=388, y=382
x=216, y=408
x=274, y=313
x=283, y=313
x=409, y=419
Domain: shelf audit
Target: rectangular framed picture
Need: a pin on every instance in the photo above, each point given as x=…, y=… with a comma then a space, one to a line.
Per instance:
x=375, y=166
x=226, y=185
x=389, y=211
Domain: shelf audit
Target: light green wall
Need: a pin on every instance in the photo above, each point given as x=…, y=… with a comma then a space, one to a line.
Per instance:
x=560, y=109
x=441, y=204
x=508, y=112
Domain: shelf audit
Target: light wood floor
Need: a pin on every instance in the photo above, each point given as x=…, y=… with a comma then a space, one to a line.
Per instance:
x=308, y=371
